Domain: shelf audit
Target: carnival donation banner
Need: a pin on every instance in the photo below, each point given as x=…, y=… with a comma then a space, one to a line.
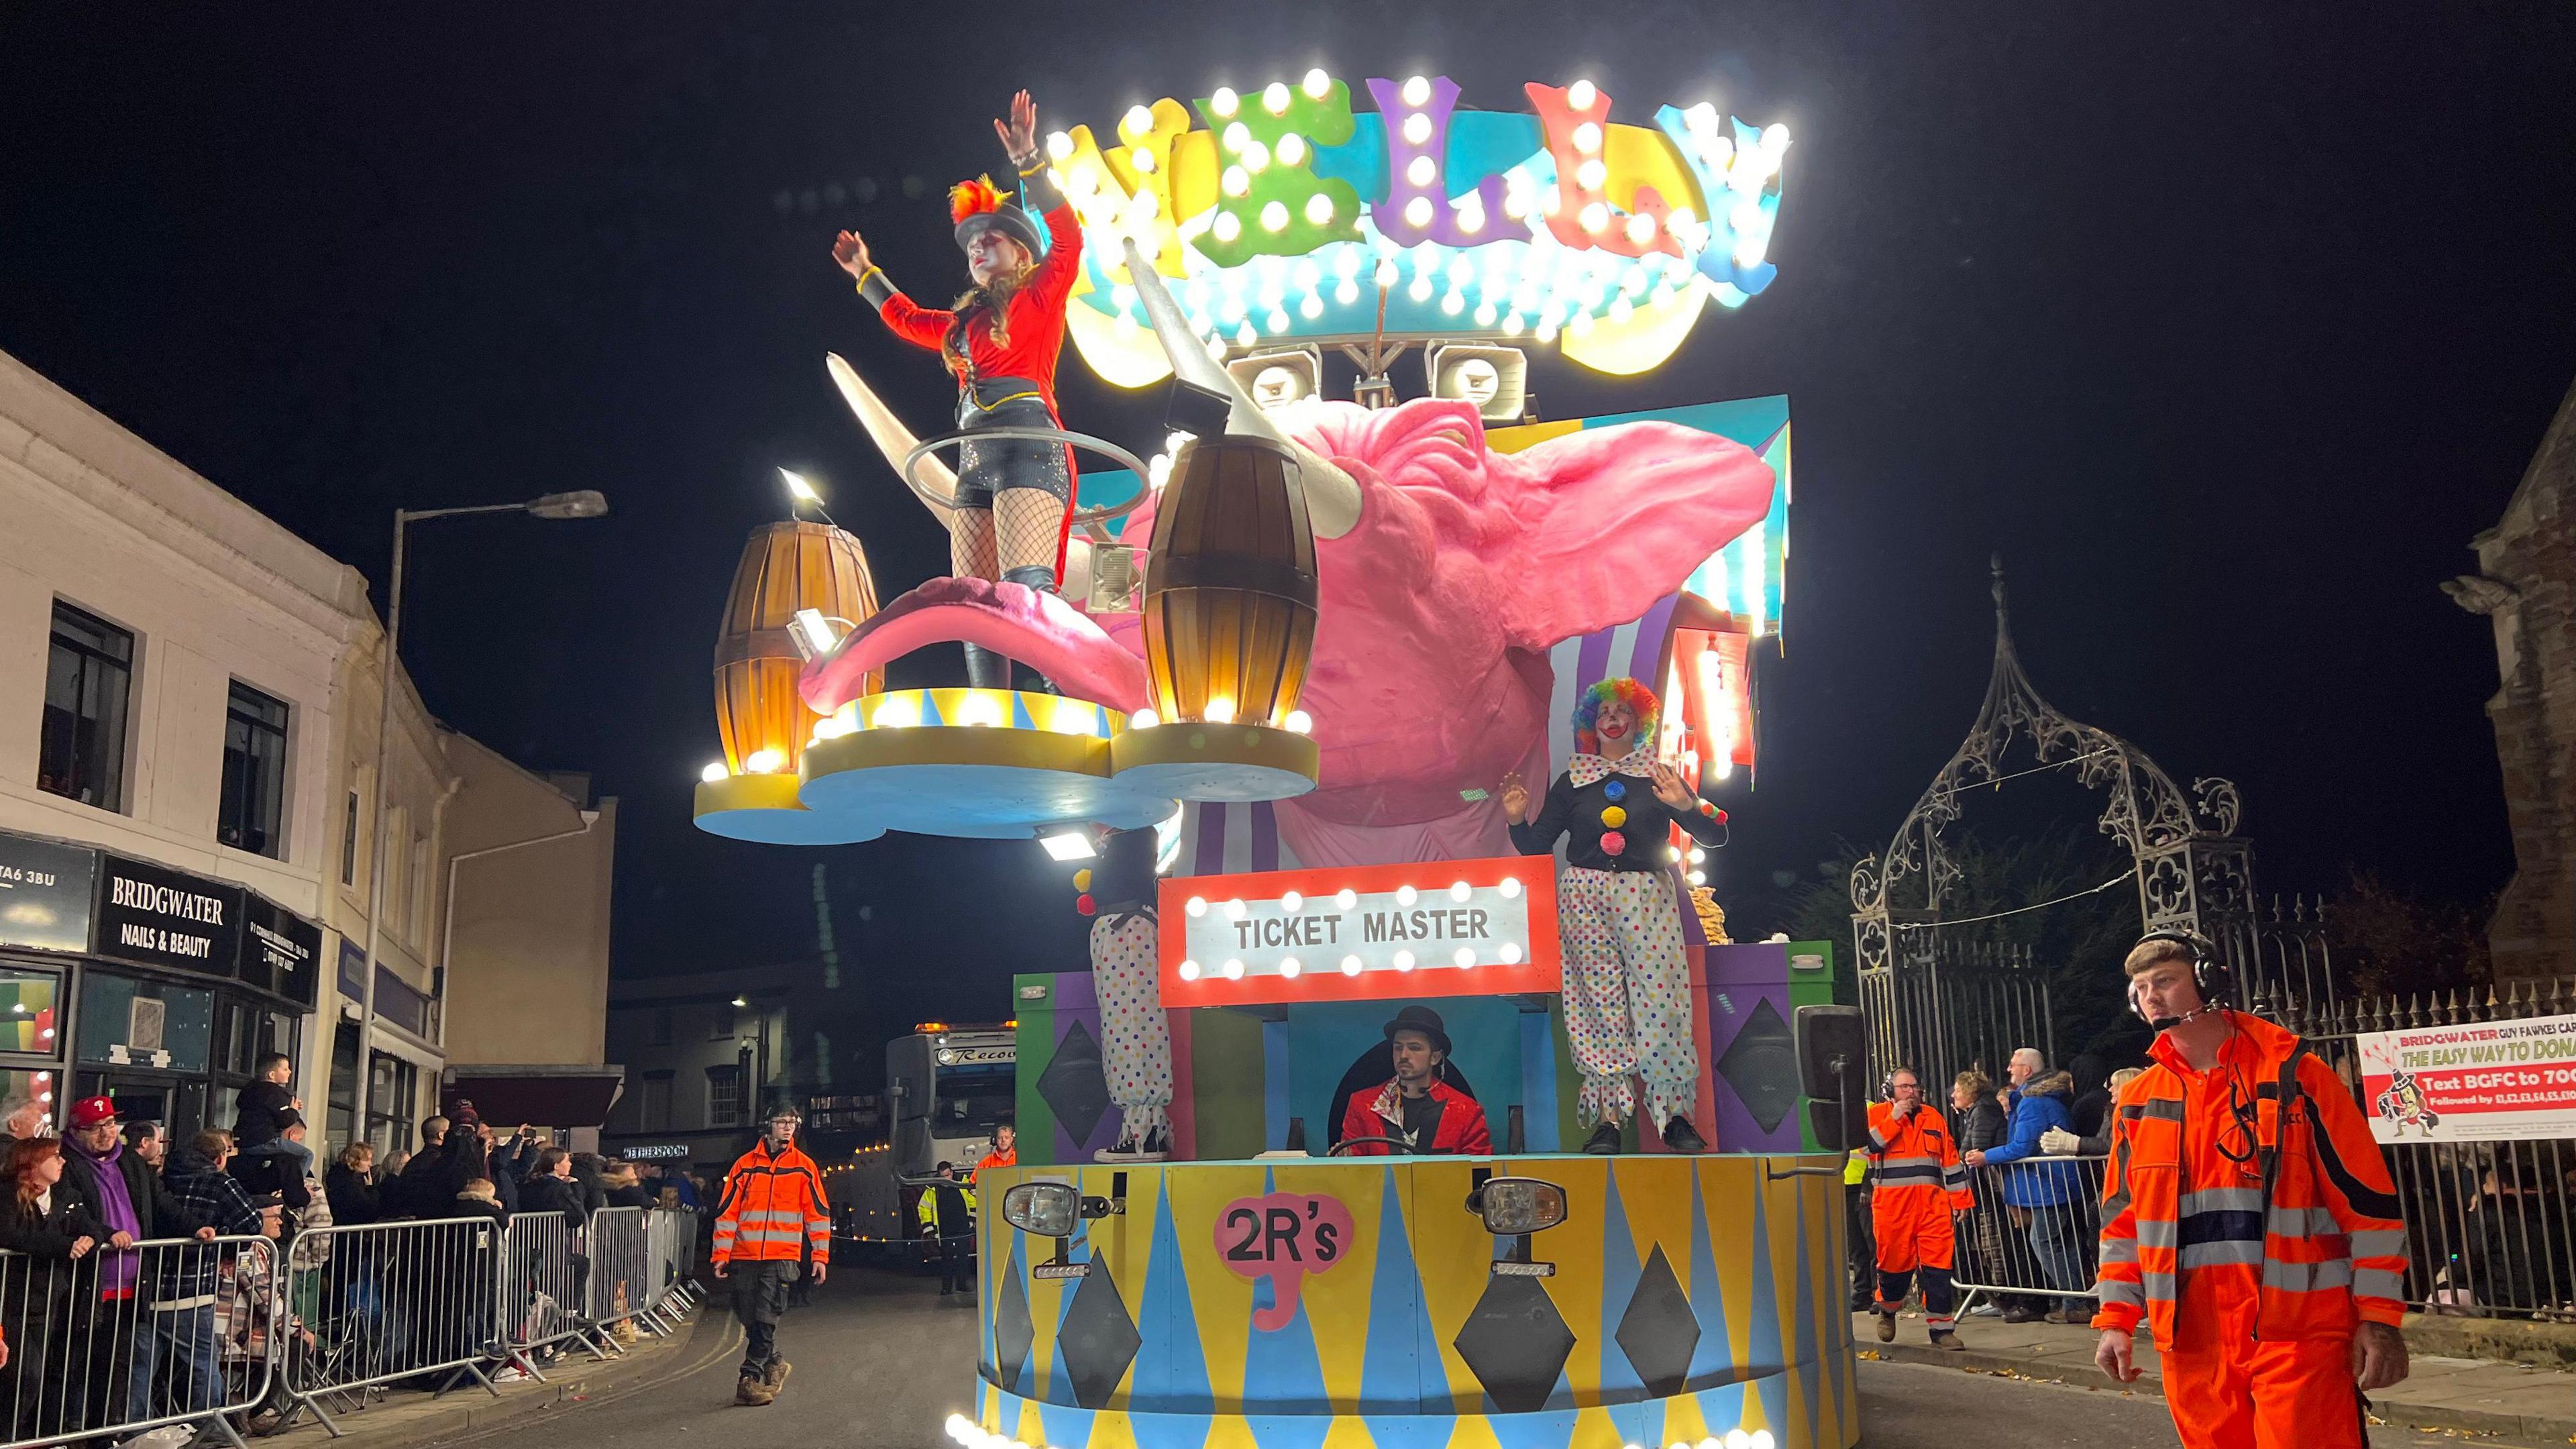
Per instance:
x=2498, y=1079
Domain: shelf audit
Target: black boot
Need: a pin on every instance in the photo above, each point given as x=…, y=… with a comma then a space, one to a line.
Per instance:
x=986, y=669
x=1681, y=1136
x=1040, y=577
x=1604, y=1140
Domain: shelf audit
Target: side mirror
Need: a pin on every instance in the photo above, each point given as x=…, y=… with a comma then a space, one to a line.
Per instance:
x=1515, y=1207
x=1833, y=1053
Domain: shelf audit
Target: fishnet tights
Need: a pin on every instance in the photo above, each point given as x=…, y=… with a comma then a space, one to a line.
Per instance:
x=1029, y=520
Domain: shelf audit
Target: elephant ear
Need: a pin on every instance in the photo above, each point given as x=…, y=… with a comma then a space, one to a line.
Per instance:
x=1613, y=519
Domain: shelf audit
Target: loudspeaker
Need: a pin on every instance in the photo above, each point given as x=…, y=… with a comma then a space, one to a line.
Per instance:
x=1495, y=379
x=1833, y=1053
x=1277, y=378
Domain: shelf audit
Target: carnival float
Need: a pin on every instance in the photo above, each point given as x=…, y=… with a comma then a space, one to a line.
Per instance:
x=1412, y=1094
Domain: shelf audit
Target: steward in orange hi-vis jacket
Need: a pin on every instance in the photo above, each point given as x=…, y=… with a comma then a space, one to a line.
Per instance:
x=1916, y=1183
x=2261, y=1242
x=774, y=1214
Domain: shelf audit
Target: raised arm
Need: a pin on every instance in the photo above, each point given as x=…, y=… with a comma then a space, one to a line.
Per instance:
x=918, y=325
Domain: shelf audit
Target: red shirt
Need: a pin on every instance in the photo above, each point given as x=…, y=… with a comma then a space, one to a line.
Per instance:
x=1381, y=1114
x=1035, y=313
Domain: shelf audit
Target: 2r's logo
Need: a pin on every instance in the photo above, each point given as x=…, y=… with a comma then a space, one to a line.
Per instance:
x=1282, y=1237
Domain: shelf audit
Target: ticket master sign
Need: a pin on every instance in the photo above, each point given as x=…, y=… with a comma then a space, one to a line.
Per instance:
x=2502, y=1079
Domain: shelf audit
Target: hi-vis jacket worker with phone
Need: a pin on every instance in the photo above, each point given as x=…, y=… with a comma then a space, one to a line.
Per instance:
x=2249, y=1220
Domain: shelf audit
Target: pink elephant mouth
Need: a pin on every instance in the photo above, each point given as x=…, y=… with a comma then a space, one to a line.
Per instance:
x=1015, y=621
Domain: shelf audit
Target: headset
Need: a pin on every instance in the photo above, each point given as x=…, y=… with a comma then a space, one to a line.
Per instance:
x=2210, y=973
x=1887, y=1084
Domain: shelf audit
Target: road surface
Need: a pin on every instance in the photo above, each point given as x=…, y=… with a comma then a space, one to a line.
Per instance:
x=881, y=1361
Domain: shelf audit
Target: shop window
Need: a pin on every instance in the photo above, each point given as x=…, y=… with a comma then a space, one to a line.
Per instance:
x=89, y=674
x=127, y=1022
x=254, y=785
x=29, y=1011
x=24, y=1090
x=724, y=1096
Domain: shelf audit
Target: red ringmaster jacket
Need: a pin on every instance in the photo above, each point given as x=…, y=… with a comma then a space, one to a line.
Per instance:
x=1461, y=1128
x=1034, y=316
x=2183, y=1202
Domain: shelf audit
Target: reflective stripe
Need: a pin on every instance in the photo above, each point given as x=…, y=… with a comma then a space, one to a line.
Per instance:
x=2234, y=1250
x=2115, y=1290
x=2164, y=1109
x=2160, y=1286
x=1886, y=1164
x=2223, y=1200
x=2331, y=1274
x=2379, y=1243
x=1876, y=1142
x=2378, y=1283
x=2157, y=1233
x=2315, y=1222
x=1909, y=1176
x=2119, y=1250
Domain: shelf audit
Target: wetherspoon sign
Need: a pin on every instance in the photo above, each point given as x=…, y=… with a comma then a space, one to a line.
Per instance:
x=2491, y=1080
x=1449, y=928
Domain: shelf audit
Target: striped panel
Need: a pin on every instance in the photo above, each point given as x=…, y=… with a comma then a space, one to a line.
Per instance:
x=1218, y=838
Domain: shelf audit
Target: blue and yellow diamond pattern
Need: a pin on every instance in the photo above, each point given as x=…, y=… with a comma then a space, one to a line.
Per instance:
x=1406, y=1339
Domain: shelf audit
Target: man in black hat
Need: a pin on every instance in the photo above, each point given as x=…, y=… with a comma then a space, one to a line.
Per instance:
x=1417, y=1108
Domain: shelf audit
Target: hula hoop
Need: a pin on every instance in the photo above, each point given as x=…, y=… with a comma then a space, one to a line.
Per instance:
x=1082, y=517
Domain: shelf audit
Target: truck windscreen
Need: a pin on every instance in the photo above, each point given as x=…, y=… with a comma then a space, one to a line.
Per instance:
x=973, y=1100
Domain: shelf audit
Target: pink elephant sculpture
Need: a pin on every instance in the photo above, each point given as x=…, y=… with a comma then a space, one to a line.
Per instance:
x=1437, y=610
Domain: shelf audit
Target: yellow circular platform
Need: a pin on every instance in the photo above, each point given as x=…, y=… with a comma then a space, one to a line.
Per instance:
x=1216, y=761
x=764, y=810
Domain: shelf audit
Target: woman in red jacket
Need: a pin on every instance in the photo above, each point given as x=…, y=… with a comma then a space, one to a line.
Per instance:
x=1014, y=498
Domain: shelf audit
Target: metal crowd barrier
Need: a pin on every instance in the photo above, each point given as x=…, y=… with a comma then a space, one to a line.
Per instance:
x=546, y=1290
x=672, y=1246
x=388, y=1301
x=2034, y=1237
x=621, y=1273
x=118, y=1342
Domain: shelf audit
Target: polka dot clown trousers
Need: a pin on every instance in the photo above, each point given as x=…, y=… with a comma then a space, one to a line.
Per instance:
x=1627, y=993
x=1135, y=1037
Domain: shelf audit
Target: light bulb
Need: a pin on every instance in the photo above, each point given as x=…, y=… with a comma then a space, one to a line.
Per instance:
x=1465, y=956
x=1417, y=129
x=1350, y=965
x=763, y=762
x=1346, y=898
x=1591, y=175
x=1422, y=171
x=1460, y=890
x=1291, y=150
x=1581, y=95
x=1235, y=909
x=1510, y=887
x=1318, y=85
x=1141, y=158
x=1197, y=906
x=714, y=772
x=1471, y=219
x=1587, y=137
x=1417, y=212
x=1641, y=228
x=1274, y=216
x=1227, y=227
x=1292, y=902
x=1255, y=156
x=1220, y=710
x=1237, y=136
x=1298, y=722
x=1406, y=895
x=1594, y=216
x=901, y=712
x=1274, y=98
x=981, y=709
x=1059, y=146
x=1189, y=970
x=1319, y=209
x=1234, y=968
x=1403, y=960
x=1289, y=967
x=1143, y=719
x=1417, y=91
x=1137, y=122
x=1509, y=953
x=1347, y=293
x=1224, y=103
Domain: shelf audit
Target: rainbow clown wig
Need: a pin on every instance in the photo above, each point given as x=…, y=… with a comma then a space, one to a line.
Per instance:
x=1587, y=711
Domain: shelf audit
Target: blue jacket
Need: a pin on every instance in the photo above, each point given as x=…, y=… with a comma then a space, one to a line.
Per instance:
x=2041, y=1104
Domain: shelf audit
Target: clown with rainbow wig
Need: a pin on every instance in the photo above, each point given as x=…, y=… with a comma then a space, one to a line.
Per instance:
x=1627, y=985
x=1013, y=506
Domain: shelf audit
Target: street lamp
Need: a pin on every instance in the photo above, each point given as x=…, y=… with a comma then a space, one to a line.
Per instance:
x=581, y=503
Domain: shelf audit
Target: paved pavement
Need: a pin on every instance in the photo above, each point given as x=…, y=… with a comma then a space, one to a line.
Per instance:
x=2505, y=1403
x=1916, y=1406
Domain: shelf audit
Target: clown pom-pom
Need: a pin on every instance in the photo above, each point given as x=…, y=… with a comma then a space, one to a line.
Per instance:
x=1085, y=904
x=1082, y=879
x=1613, y=843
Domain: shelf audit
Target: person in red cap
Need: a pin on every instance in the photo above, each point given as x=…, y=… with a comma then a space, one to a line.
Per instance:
x=1014, y=498
x=136, y=1207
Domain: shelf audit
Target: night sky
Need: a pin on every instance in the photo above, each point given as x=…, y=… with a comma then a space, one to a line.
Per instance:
x=2227, y=330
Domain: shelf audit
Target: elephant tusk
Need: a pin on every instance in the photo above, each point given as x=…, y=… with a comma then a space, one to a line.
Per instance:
x=888, y=432
x=1332, y=496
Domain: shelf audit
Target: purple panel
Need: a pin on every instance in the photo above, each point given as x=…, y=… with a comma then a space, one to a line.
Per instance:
x=1077, y=991
x=1648, y=643
x=1760, y=963
x=1211, y=859
x=1729, y=1006
x=1265, y=836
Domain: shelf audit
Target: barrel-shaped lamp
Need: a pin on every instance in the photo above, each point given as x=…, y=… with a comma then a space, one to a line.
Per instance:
x=786, y=567
x=1229, y=609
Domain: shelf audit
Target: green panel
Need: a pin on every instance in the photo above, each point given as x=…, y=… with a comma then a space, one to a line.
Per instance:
x=1812, y=988
x=1226, y=1083
x=1036, y=1049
